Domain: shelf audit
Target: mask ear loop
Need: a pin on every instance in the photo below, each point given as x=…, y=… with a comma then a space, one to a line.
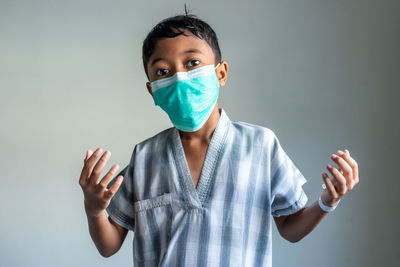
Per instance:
x=216, y=68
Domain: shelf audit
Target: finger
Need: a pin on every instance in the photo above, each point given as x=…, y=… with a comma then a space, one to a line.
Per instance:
x=88, y=166
x=340, y=180
x=353, y=164
x=355, y=167
x=82, y=180
x=88, y=154
x=344, y=169
x=94, y=176
x=330, y=186
x=107, y=178
x=109, y=193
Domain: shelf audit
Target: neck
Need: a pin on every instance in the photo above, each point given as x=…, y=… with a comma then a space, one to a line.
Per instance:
x=204, y=133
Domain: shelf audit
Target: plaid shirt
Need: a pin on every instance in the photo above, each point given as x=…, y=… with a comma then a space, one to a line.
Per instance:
x=226, y=221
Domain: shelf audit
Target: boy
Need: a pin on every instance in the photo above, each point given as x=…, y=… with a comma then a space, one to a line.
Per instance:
x=202, y=193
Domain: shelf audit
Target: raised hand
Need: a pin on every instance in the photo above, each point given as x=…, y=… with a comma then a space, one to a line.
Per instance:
x=97, y=196
x=343, y=179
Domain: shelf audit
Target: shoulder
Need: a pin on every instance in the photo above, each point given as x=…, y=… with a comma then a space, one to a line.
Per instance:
x=254, y=131
x=157, y=141
x=252, y=138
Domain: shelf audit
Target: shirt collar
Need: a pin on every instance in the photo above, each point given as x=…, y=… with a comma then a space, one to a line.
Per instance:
x=198, y=197
x=223, y=122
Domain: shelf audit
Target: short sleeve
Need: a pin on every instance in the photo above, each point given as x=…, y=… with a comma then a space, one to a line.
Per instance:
x=287, y=194
x=121, y=208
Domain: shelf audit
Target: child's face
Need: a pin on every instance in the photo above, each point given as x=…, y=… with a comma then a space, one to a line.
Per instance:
x=180, y=54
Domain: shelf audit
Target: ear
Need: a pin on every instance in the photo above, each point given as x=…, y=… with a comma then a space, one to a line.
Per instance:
x=222, y=73
x=149, y=89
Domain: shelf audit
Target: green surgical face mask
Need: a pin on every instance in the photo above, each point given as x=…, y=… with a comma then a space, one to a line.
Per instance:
x=188, y=97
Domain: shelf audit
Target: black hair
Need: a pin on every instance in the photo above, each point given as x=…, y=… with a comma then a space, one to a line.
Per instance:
x=177, y=25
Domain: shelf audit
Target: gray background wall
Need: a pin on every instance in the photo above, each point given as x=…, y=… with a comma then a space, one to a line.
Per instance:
x=324, y=75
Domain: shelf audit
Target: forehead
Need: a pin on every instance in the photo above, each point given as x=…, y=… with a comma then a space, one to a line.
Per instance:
x=176, y=46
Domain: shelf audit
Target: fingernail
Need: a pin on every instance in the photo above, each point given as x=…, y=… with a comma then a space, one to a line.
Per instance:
x=329, y=166
x=340, y=152
x=334, y=156
x=347, y=151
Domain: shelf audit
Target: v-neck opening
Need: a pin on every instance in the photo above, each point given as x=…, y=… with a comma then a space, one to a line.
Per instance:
x=198, y=196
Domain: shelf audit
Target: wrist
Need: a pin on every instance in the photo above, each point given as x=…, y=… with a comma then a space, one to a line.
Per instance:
x=91, y=213
x=328, y=208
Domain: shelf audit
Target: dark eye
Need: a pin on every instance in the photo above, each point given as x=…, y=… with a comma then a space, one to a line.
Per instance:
x=161, y=72
x=193, y=62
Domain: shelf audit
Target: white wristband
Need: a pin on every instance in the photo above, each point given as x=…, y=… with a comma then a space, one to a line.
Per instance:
x=326, y=208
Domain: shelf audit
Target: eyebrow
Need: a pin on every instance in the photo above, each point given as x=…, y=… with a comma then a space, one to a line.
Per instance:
x=185, y=52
